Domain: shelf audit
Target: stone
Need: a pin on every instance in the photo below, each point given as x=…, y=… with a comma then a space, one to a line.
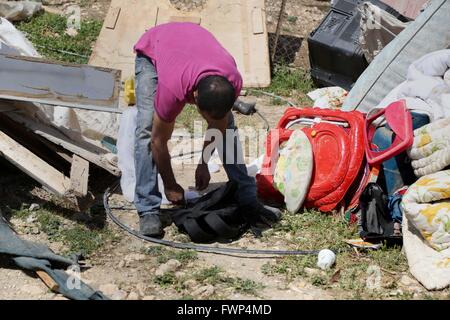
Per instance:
x=34, y=207
x=71, y=32
x=133, y=296
x=31, y=219
x=298, y=286
x=149, y=298
x=108, y=289
x=135, y=257
x=170, y=266
x=141, y=289
x=314, y=272
x=119, y=295
x=34, y=230
x=397, y=292
x=190, y=284
x=204, y=291
x=407, y=281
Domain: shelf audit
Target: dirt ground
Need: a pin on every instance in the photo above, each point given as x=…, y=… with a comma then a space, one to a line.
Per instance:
x=128, y=268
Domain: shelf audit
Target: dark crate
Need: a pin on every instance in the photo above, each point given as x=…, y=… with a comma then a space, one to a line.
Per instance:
x=335, y=55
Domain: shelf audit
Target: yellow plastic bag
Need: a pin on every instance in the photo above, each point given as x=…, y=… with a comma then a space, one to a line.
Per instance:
x=130, y=96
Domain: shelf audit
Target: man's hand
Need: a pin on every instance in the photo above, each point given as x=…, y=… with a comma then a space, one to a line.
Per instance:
x=175, y=194
x=202, y=176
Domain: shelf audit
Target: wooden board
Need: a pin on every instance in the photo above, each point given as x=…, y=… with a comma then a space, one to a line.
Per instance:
x=49, y=282
x=33, y=166
x=86, y=150
x=79, y=175
x=239, y=25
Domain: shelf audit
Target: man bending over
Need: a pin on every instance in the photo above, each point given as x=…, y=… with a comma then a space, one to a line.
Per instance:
x=179, y=63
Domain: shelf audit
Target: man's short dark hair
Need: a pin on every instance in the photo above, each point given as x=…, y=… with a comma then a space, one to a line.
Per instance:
x=216, y=96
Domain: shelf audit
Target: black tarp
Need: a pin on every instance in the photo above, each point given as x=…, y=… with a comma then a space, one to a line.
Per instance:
x=34, y=257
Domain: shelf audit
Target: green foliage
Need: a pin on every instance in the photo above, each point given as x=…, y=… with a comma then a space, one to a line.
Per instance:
x=166, y=280
x=48, y=33
x=163, y=254
x=287, y=81
x=78, y=238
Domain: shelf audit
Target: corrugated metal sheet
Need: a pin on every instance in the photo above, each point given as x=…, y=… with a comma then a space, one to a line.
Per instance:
x=430, y=32
x=61, y=84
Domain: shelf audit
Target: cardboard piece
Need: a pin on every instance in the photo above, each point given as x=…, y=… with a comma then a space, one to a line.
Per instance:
x=239, y=25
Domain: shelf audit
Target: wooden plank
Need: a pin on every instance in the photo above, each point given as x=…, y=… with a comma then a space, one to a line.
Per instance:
x=49, y=282
x=196, y=20
x=34, y=166
x=34, y=143
x=85, y=150
x=111, y=18
x=79, y=175
x=257, y=21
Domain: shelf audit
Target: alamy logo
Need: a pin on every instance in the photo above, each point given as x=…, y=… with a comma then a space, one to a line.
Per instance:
x=373, y=281
x=74, y=279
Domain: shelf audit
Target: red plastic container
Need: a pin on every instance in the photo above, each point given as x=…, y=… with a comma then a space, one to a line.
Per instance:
x=399, y=120
x=338, y=155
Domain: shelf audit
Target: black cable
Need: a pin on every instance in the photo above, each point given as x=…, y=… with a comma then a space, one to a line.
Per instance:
x=266, y=123
x=202, y=248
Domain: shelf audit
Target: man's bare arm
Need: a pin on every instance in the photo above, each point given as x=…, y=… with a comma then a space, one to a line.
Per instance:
x=161, y=133
x=202, y=176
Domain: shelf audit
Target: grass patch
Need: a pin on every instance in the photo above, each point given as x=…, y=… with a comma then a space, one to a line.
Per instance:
x=186, y=119
x=313, y=230
x=214, y=276
x=163, y=254
x=210, y=275
x=246, y=286
x=166, y=280
x=21, y=213
x=47, y=32
x=290, y=82
x=77, y=238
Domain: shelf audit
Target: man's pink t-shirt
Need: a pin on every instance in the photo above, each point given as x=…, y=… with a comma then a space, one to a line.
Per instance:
x=183, y=54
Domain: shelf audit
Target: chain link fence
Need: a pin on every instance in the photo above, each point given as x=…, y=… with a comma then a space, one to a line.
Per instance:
x=289, y=23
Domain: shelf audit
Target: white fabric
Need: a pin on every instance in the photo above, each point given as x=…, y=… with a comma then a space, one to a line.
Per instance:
x=328, y=98
x=427, y=86
x=427, y=206
x=125, y=152
x=430, y=267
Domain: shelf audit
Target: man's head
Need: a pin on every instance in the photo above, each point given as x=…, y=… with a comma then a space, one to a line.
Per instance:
x=215, y=97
